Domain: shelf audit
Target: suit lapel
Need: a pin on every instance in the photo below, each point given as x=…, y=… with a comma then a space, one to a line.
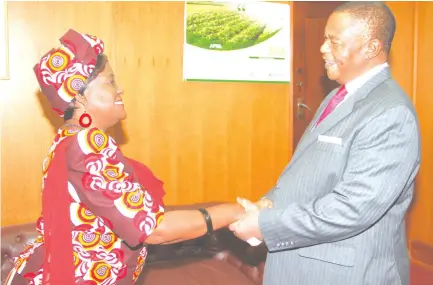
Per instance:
x=337, y=115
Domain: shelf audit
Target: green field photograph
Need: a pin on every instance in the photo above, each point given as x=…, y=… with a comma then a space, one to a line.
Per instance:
x=224, y=26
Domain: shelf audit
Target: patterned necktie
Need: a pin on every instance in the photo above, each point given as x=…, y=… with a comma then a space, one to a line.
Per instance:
x=335, y=100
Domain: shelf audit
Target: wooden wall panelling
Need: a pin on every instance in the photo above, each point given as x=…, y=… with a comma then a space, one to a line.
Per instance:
x=421, y=215
x=402, y=51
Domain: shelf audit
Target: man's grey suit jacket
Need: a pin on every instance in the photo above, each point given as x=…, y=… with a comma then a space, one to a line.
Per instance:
x=340, y=205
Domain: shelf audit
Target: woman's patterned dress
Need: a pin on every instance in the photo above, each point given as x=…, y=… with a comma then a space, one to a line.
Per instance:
x=108, y=209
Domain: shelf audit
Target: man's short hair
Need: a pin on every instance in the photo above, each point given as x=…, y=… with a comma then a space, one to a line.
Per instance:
x=377, y=16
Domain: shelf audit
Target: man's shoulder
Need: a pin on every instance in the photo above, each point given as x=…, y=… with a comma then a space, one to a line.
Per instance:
x=389, y=95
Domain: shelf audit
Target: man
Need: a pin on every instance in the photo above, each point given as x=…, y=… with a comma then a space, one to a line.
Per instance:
x=339, y=206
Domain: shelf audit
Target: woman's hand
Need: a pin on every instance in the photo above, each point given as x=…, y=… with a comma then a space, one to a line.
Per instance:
x=264, y=203
x=248, y=205
x=257, y=206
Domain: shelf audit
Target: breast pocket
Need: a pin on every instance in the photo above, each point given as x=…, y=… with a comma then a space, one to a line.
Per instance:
x=339, y=254
x=330, y=147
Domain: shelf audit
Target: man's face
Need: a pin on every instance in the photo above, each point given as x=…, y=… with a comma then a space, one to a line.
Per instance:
x=344, y=49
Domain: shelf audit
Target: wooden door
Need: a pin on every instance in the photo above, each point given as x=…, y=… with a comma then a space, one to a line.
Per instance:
x=310, y=82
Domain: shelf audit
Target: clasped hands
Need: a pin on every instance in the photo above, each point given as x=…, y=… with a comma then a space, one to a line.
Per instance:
x=247, y=228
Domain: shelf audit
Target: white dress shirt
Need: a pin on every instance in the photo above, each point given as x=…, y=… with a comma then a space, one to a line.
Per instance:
x=356, y=83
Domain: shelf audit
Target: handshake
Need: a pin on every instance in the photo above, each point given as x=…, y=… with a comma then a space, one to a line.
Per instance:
x=247, y=228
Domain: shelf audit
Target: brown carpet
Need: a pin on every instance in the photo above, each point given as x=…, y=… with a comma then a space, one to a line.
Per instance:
x=420, y=275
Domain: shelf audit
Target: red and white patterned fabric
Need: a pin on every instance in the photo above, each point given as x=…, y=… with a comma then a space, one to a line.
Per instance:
x=112, y=200
x=63, y=71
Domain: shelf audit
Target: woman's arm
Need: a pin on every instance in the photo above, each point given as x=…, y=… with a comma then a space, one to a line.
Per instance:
x=129, y=197
x=181, y=225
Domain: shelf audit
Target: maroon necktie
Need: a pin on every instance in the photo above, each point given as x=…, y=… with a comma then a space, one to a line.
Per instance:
x=335, y=100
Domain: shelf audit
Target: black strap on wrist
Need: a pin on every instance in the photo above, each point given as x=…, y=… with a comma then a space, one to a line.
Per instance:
x=208, y=220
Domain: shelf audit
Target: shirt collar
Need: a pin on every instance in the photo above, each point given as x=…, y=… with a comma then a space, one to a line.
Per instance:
x=356, y=83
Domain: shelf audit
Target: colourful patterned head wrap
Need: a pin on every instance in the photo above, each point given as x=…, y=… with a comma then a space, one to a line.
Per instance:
x=62, y=72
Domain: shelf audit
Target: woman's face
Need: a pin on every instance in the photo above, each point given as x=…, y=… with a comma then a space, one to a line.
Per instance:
x=104, y=99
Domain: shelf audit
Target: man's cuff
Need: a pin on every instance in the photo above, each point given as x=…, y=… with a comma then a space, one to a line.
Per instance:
x=275, y=233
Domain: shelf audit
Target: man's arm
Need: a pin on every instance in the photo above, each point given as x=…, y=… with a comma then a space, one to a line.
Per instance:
x=383, y=158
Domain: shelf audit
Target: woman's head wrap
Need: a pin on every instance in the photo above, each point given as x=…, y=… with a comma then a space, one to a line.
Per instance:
x=63, y=71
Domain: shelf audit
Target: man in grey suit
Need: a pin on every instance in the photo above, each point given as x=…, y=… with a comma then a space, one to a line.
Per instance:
x=338, y=209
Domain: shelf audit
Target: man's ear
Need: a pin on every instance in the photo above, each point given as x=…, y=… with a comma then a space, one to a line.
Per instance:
x=372, y=49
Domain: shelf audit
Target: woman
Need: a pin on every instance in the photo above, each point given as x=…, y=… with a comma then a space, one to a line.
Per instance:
x=99, y=208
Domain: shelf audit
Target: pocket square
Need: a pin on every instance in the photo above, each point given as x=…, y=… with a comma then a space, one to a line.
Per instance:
x=328, y=139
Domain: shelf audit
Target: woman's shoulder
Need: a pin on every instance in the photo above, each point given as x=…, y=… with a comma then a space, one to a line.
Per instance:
x=88, y=141
x=95, y=141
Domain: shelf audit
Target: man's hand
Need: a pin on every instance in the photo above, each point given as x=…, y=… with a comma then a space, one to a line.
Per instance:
x=248, y=227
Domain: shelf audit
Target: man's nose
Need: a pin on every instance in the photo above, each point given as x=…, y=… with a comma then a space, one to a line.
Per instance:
x=324, y=48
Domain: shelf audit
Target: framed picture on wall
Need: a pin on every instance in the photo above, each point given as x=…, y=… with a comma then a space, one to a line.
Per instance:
x=237, y=40
x=4, y=43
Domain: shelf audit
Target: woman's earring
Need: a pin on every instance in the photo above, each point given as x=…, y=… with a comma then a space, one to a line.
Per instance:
x=85, y=120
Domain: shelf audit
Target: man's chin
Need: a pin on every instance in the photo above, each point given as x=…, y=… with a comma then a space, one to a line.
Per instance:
x=332, y=74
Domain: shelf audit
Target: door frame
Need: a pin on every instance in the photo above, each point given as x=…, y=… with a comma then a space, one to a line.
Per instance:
x=297, y=35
